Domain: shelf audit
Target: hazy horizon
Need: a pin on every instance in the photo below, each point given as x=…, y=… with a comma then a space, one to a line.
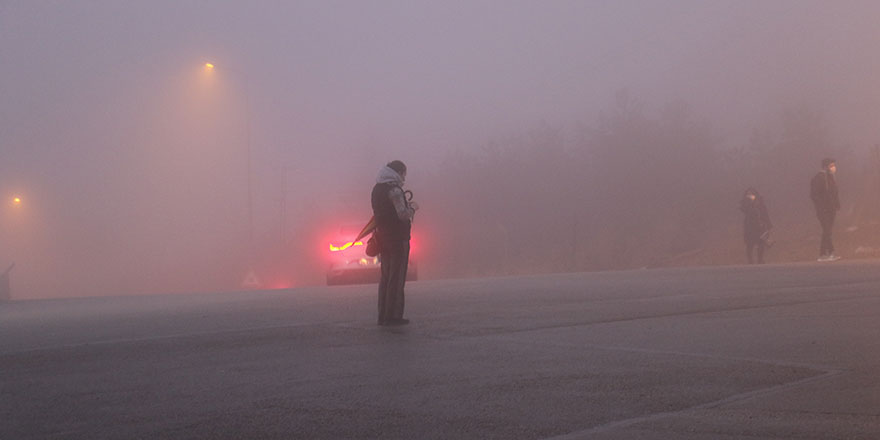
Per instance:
x=131, y=158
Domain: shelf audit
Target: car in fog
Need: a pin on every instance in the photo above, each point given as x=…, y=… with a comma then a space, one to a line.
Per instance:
x=349, y=263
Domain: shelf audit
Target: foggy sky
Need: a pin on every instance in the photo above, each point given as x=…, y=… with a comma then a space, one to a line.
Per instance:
x=132, y=161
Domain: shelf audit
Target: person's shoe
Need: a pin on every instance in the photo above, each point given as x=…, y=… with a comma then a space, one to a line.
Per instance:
x=396, y=322
x=823, y=258
x=833, y=257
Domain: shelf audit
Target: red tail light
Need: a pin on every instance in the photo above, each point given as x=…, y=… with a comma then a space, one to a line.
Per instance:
x=345, y=246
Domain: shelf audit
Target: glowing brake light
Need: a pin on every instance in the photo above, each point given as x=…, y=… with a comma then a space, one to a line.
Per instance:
x=345, y=246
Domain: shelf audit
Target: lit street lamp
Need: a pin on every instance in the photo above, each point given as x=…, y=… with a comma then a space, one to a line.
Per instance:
x=209, y=67
x=250, y=280
x=5, y=289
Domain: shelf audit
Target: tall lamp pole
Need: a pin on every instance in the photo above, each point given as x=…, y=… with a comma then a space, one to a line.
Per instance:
x=250, y=203
x=251, y=279
x=5, y=289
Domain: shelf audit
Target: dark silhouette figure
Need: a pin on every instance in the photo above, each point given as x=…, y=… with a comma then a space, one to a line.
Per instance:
x=823, y=192
x=756, y=224
x=393, y=214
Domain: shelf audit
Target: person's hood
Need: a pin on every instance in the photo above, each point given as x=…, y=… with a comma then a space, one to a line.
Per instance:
x=387, y=175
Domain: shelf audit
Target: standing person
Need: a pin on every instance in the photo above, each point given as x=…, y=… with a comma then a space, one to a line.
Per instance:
x=823, y=191
x=756, y=224
x=393, y=214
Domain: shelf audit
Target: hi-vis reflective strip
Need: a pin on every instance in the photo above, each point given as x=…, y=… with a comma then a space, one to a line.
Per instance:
x=345, y=246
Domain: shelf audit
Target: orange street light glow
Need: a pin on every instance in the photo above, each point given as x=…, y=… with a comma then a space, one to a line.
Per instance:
x=209, y=66
x=16, y=200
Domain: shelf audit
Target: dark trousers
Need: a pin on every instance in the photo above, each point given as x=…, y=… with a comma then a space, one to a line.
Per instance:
x=395, y=260
x=826, y=219
x=750, y=246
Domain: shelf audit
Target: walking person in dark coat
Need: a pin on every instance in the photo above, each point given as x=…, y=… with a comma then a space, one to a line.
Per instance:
x=823, y=192
x=393, y=214
x=756, y=224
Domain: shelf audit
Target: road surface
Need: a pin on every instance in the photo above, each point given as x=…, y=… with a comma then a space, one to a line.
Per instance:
x=771, y=352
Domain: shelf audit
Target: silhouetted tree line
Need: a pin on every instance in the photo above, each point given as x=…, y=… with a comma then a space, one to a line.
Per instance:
x=632, y=189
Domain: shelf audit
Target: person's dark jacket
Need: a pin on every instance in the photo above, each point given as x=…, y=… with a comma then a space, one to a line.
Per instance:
x=393, y=223
x=757, y=219
x=823, y=192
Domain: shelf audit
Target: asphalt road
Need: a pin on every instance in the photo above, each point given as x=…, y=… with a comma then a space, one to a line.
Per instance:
x=772, y=352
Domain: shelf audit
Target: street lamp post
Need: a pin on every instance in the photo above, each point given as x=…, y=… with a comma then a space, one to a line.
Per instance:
x=250, y=205
x=5, y=289
x=251, y=279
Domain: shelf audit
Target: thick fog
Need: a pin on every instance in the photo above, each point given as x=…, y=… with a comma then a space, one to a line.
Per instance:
x=539, y=136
